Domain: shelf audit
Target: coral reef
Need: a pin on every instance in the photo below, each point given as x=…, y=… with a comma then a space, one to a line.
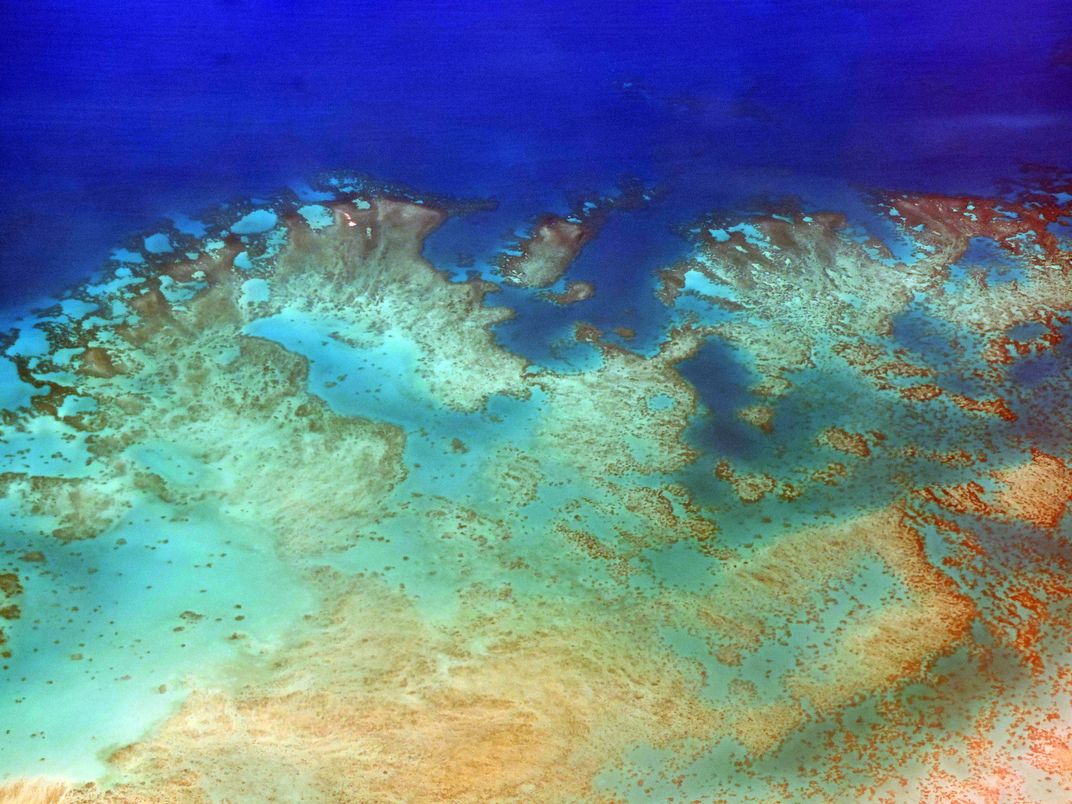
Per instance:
x=412, y=564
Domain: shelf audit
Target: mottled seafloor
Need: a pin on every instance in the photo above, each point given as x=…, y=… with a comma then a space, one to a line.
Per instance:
x=285, y=516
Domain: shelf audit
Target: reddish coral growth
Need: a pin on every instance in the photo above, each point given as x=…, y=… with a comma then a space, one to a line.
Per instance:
x=963, y=499
x=995, y=407
x=1018, y=585
x=1051, y=752
x=1003, y=349
x=1037, y=492
x=1020, y=615
x=957, y=457
x=949, y=222
x=925, y=393
x=1027, y=635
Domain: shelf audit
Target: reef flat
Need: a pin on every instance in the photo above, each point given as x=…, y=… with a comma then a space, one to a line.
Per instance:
x=285, y=519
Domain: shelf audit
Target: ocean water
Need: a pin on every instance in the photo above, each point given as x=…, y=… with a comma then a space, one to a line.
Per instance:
x=642, y=401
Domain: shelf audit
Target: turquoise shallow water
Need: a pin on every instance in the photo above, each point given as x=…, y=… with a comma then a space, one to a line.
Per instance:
x=100, y=656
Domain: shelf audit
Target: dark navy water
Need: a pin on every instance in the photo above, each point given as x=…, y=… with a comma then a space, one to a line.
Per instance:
x=115, y=114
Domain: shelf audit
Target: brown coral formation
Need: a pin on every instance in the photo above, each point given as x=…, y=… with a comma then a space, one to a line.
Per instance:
x=546, y=253
x=761, y=416
x=844, y=441
x=602, y=433
x=10, y=590
x=750, y=487
x=370, y=266
x=576, y=291
x=799, y=280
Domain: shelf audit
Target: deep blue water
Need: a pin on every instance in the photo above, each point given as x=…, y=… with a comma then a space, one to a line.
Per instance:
x=114, y=114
